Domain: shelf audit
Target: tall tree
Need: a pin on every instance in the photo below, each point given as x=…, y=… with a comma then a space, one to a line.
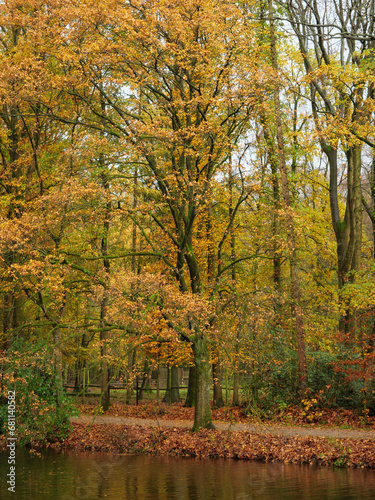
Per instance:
x=336, y=44
x=295, y=285
x=180, y=58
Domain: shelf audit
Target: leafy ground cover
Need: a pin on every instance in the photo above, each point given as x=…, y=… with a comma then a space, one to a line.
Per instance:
x=177, y=441
x=220, y=444
x=306, y=415
x=119, y=436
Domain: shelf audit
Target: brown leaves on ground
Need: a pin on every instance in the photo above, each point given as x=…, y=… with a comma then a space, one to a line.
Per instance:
x=293, y=415
x=296, y=415
x=161, y=411
x=220, y=444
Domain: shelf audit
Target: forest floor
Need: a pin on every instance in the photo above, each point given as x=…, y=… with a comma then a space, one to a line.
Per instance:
x=293, y=421
x=338, y=438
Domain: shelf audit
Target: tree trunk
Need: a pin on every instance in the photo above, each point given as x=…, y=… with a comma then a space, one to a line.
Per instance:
x=172, y=394
x=58, y=365
x=192, y=388
x=175, y=385
x=80, y=366
x=370, y=209
x=105, y=397
x=145, y=379
x=12, y=319
x=167, y=396
x=354, y=108
x=105, y=376
x=218, y=401
x=272, y=160
x=202, y=416
x=236, y=387
x=291, y=239
x=131, y=364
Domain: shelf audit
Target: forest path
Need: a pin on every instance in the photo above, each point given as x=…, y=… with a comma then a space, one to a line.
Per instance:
x=276, y=430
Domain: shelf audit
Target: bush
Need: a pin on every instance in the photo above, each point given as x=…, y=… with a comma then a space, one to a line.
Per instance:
x=331, y=386
x=276, y=382
x=30, y=373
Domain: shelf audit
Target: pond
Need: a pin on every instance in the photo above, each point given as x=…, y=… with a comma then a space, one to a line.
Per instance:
x=89, y=476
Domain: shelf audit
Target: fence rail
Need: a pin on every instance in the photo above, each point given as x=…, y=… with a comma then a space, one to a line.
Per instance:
x=124, y=386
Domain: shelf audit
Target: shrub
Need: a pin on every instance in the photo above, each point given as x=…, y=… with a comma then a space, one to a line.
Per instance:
x=39, y=419
x=330, y=385
x=328, y=382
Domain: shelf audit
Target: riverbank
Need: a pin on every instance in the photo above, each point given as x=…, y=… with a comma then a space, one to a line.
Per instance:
x=176, y=441
x=340, y=438
x=165, y=430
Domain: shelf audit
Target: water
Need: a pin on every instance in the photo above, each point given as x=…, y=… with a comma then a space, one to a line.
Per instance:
x=89, y=476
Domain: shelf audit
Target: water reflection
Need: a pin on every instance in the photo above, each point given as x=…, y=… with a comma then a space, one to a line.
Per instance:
x=89, y=476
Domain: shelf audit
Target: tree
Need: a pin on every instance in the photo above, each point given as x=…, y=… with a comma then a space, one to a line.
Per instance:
x=162, y=73
x=336, y=47
x=295, y=286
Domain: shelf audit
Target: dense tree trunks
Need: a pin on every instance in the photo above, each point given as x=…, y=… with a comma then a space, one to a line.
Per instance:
x=79, y=368
x=348, y=231
x=218, y=400
x=80, y=383
x=14, y=179
x=202, y=416
x=13, y=318
x=347, y=106
x=295, y=286
x=350, y=254
x=172, y=394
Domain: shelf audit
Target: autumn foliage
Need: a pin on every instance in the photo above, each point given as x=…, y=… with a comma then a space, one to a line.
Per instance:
x=181, y=185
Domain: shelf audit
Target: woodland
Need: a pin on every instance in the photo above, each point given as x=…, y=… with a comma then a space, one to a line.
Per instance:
x=187, y=184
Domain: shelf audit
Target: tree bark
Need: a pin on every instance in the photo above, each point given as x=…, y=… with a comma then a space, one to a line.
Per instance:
x=104, y=338
x=218, y=400
x=236, y=389
x=58, y=365
x=172, y=394
x=202, y=416
x=145, y=378
x=175, y=385
x=192, y=387
x=131, y=364
x=167, y=396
